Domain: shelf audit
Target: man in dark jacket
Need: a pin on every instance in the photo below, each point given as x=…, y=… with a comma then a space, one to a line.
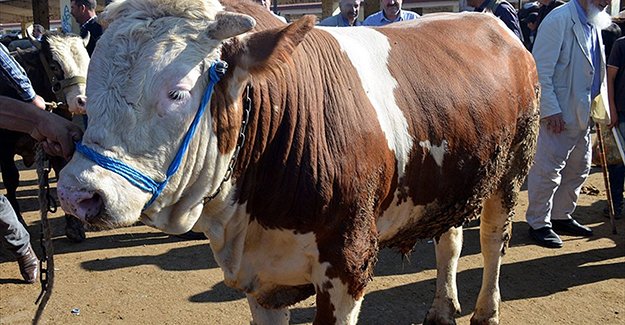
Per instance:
x=83, y=12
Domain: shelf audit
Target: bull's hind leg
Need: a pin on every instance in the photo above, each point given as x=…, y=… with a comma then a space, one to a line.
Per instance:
x=446, y=305
x=495, y=231
x=266, y=316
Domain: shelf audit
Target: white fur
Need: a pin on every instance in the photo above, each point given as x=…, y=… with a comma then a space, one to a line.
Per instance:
x=437, y=152
x=264, y=316
x=397, y=216
x=70, y=53
x=369, y=51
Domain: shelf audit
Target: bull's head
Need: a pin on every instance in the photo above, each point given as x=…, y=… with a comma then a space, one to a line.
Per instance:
x=147, y=78
x=67, y=62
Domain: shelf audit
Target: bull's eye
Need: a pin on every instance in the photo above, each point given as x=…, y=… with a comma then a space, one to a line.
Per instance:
x=178, y=95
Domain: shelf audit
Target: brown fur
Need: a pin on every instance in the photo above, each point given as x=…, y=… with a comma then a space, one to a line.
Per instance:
x=319, y=161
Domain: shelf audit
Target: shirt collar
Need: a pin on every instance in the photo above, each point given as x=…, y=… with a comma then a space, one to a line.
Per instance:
x=583, y=18
x=88, y=21
x=383, y=17
x=346, y=22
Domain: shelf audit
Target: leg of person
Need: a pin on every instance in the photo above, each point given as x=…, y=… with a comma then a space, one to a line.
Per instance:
x=543, y=180
x=573, y=177
x=17, y=240
x=10, y=173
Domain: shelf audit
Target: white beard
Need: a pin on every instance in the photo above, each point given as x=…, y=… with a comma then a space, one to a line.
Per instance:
x=597, y=17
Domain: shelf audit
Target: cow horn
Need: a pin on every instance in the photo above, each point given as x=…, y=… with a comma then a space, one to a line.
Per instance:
x=33, y=40
x=229, y=24
x=85, y=40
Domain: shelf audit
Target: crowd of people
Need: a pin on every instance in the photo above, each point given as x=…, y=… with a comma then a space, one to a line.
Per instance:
x=573, y=72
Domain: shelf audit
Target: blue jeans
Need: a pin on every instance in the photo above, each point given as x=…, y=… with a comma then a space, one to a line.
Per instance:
x=12, y=233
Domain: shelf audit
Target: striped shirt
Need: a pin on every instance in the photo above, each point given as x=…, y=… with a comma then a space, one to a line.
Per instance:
x=15, y=75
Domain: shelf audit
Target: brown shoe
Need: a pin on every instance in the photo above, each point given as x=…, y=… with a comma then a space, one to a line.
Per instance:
x=29, y=265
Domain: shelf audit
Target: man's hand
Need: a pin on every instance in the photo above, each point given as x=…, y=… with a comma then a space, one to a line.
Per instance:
x=57, y=135
x=555, y=123
x=39, y=102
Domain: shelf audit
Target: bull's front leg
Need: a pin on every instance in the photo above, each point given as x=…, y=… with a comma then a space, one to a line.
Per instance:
x=446, y=305
x=495, y=232
x=266, y=316
x=340, y=279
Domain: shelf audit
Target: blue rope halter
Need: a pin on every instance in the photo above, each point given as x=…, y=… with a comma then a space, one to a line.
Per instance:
x=137, y=178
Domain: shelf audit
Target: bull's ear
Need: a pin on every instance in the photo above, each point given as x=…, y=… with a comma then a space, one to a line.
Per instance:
x=272, y=46
x=229, y=24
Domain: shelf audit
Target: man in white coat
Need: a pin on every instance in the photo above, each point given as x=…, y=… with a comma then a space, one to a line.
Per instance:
x=571, y=68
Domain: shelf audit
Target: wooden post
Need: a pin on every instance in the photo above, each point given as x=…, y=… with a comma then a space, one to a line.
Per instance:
x=369, y=7
x=327, y=7
x=41, y=13
x=606, y=180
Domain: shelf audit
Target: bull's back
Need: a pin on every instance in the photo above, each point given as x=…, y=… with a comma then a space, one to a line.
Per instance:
x=468, y=89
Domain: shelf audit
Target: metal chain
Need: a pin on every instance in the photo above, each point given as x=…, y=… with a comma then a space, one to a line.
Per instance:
x=247, y=107
x=50, y=106
x=46, y=263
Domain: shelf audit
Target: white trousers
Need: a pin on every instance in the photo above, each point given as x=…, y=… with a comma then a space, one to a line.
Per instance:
x=561, y=166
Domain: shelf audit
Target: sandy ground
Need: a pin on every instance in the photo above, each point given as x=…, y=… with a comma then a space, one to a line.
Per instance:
x=139, y=275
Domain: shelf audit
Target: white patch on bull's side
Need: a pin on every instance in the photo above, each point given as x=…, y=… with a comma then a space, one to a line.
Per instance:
x=369, y=50
x=396, y=217
x=437, y=152
x=253, y=258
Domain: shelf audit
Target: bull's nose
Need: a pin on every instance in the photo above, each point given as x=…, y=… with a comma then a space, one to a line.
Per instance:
x=82, y=101
x=86, y=205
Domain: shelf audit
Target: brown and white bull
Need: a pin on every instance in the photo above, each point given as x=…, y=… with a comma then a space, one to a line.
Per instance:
x=357, y=138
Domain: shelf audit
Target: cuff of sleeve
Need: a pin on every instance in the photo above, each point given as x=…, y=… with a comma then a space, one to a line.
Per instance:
x=29, y=95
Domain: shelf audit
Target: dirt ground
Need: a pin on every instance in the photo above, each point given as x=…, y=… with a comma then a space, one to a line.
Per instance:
x=139, y=275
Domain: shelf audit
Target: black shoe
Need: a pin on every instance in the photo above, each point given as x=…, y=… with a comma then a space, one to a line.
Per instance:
x=29, y=265
x=545, y=237
x=571, y=227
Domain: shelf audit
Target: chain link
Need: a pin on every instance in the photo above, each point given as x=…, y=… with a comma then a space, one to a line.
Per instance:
x=44, y=200
x=247, y=107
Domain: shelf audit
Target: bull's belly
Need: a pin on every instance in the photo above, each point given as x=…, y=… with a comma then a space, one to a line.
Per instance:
x=399, y=217
x=273, y=258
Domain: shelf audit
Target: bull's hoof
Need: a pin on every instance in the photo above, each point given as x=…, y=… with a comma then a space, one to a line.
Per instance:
x=74, y=229
x=484, y=321
x=433, y=319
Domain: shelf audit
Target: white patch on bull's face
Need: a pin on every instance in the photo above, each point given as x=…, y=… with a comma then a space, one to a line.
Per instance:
x=369, y=51
x=71, y=55
x=437, y=152
x=146, y=81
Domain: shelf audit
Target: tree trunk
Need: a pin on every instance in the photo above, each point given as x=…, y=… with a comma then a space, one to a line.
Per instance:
x=370, y=7
x=327, y=7
x=41, y=13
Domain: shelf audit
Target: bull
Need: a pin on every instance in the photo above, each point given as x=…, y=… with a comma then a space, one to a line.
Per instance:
x=300, y=151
